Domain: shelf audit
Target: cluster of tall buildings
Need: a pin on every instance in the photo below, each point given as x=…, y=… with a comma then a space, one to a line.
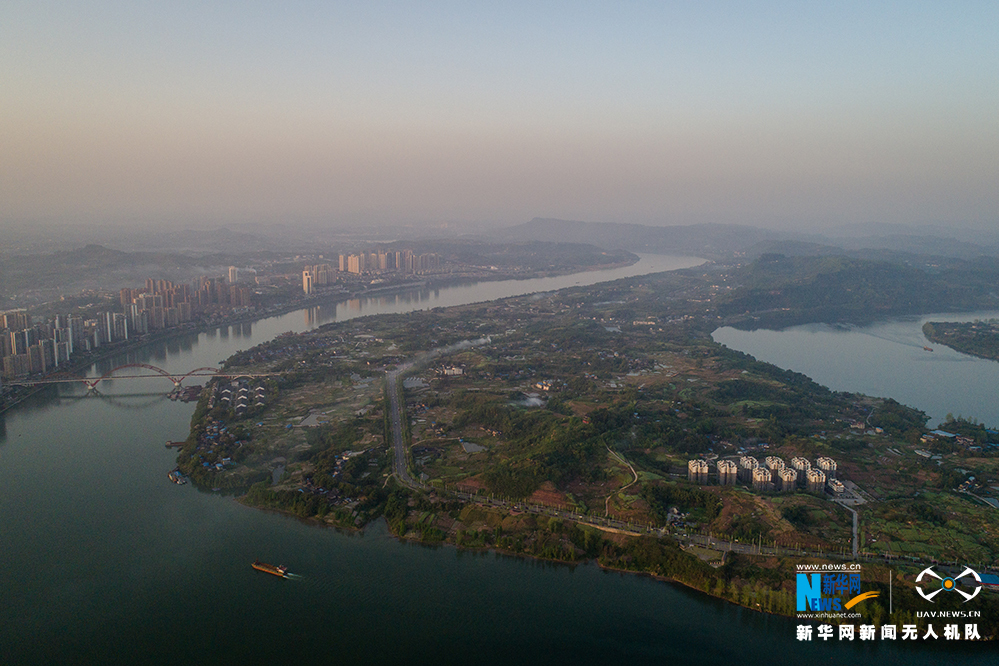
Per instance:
x=316, y=276
x=162, y=304
x=29, y=347
x=770, y=475
x=401, y=261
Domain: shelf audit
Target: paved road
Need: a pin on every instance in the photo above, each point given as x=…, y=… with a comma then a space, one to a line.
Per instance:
x=397, y=407
x=392, y=383
x=856, y=531
x=401, y=470
x=621, y=489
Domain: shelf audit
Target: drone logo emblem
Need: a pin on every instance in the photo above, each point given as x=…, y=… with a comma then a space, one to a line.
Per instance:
x=947, y=584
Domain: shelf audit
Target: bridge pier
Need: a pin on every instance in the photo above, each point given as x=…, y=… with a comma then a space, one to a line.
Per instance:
x=92, y=383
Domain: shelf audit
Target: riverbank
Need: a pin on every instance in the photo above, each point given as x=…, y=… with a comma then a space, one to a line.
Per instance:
x=741, y=581
x=410, y=536
x=888, y=359
x=656, y=389
x=979, y=339
x=90, y=471
x=93, y=357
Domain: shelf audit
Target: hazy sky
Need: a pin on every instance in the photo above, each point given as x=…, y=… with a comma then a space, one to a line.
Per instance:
x=768, y=113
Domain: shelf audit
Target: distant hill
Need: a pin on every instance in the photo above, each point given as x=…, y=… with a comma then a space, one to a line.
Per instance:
x=533, y=255
x=722, y=241
x=95, y=266
x=777, y=291
x=941, y=246
x=711, y=241
x=898, y=255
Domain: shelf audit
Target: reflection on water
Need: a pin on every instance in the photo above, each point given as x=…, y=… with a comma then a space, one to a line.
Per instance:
x=424, y=297
x=415, y=298
x=136, y=402
x=886, y=359
x=186, y=352
x=103, y=560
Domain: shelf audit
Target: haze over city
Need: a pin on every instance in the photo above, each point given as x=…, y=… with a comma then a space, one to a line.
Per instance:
x=562, y=332
x=770, y=114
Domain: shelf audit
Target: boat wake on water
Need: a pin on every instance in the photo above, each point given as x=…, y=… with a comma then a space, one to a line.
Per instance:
x=904, y=341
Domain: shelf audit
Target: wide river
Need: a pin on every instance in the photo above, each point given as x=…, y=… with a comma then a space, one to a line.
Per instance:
x=103, y=561
x=884, y=359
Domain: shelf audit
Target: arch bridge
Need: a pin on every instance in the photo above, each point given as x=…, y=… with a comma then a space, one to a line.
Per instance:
x=177, y=379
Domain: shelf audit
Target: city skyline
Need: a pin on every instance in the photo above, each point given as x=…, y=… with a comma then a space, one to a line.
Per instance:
x=766, y=114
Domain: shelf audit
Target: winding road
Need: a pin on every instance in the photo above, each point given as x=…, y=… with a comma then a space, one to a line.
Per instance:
x=621, y=489
x=400, y=468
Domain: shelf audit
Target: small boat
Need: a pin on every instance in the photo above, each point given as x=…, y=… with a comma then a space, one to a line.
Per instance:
x=925, y=348
x=177, y=477
x=277, y=570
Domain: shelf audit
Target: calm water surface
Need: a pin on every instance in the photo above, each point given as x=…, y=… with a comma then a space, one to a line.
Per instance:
x=885, y=359
x=103, y=561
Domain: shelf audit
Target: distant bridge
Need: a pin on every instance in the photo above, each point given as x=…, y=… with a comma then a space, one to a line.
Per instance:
x=159, y=372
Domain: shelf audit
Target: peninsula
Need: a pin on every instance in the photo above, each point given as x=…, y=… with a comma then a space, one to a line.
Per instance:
x=574, y=425
x=977, y=338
